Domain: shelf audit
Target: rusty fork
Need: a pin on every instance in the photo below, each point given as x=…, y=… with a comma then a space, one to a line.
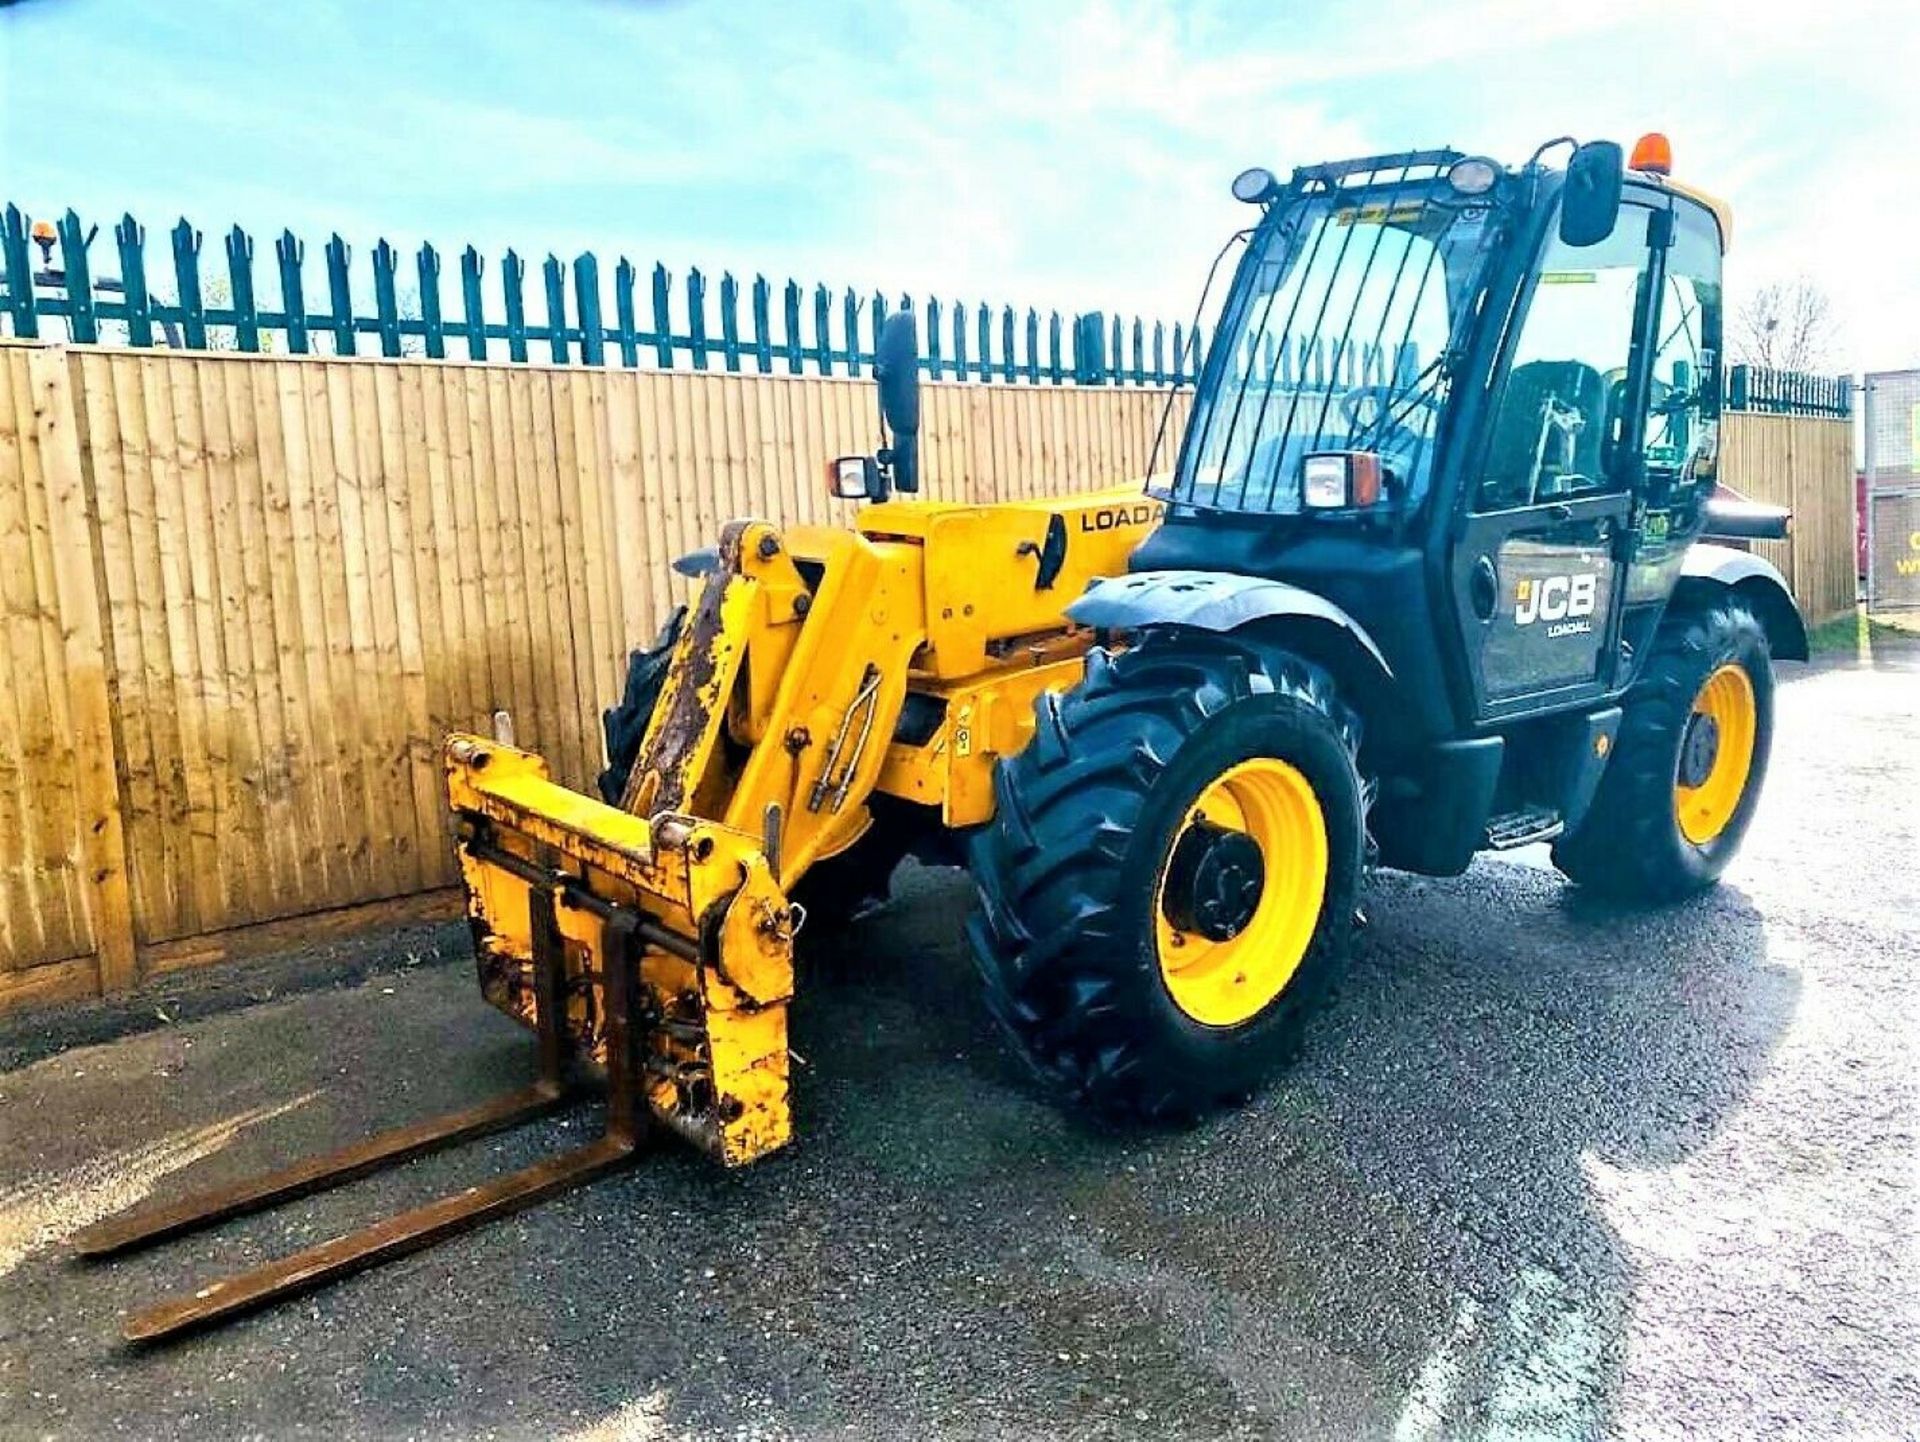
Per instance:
x=423, y=1226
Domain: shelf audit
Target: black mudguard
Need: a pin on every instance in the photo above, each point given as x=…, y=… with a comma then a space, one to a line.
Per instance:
x=1210, y=601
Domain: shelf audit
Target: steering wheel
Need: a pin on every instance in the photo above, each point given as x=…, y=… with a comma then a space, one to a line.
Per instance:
x=1386, y=410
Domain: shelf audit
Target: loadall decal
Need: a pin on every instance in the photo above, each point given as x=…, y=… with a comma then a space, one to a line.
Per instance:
x=1108, y=518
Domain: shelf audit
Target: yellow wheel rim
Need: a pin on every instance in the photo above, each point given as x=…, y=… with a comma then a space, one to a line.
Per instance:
x=1224, y=980
x=1726, y=701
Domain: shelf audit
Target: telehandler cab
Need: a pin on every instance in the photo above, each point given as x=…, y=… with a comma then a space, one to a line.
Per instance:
x=1426, y=578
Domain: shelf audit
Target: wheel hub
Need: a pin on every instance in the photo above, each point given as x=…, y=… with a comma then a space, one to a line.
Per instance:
x=1699, y=749
x=1214, y=880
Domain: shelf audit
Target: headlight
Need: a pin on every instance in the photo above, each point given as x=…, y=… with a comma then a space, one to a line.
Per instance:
x=1335, y=479
x=1325, y=483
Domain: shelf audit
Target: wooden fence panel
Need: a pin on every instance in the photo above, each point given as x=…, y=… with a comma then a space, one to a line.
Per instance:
x=64, y=926
x=1806, y=464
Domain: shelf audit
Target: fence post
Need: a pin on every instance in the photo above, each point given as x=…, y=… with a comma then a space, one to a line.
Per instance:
x=431, y=326
x=1089, y=358
x=386, y=303
x=762, y=322
x=556, y=285
x=291, y=252
x=340, y=295
x=822, y=330
x=473, y=304
x=586, y=301
x=662, y=316
x=729, y=321
x=102, y=837
x=246, y=315
x=79, y=281
x=513, y=274
x=697, y=317
x=132, y=241
x=790, y=312
x=624, y=276
x=19, y=268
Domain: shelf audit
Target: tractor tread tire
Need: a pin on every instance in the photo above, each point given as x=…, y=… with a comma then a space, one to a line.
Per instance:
x=1629, y=846
x=1062, y=933
x=626, y=723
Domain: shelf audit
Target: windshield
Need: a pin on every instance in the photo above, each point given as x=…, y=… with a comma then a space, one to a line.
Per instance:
x=1342, y=313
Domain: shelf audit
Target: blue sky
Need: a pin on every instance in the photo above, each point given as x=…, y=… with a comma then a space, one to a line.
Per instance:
x=1063, y=153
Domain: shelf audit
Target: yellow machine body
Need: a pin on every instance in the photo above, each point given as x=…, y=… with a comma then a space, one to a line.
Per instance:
x=780, y=719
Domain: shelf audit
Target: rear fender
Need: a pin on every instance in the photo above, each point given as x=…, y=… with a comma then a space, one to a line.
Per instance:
x=1710, y=571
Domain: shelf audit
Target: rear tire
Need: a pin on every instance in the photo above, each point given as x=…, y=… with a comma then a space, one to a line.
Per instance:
x=626, y=724
x=1648, y=837
x=1075, y=871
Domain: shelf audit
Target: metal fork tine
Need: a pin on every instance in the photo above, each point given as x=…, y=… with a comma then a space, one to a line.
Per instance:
x=381, y=1242
x=449, y=1216
x=315, y=1174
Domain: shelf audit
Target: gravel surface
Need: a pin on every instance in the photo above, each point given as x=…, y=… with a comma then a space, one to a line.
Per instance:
x=1547, y=1170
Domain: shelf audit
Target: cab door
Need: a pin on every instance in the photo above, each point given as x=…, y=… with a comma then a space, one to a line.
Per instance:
x=1542, y=548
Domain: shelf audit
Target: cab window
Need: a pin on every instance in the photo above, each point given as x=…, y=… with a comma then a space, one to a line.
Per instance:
x=1568, y=377
x=1684, y=410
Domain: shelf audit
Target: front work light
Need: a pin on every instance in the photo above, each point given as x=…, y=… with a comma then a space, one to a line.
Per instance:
x=853, y=478
x=1331, y=480
x=1255, y=185
x=1473, y=176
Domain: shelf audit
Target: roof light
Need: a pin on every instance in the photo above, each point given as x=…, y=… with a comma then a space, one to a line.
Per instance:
x=1255, y=185
x=1473, y=176
x=1652, y=153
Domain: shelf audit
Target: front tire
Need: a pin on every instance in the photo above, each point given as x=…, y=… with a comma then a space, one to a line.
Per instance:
x=1166, y=891
x=1685, y=776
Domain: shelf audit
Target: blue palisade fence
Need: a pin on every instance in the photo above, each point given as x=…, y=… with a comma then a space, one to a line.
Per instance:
x=650, y=322
x=959, y=341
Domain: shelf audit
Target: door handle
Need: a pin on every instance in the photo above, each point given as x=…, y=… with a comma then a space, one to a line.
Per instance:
x=1560, y=511
x=1484, y=589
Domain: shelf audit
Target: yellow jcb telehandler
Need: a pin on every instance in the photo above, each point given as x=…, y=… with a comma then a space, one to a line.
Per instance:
x=1426, y=578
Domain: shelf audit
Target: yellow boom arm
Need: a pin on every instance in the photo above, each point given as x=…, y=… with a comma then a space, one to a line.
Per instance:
x=780, y=717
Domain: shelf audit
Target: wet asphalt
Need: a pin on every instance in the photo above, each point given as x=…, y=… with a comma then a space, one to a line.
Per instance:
x=1547, y=1170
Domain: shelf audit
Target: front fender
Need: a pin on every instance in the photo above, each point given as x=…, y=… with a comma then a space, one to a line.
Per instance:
x=1209, y=601
x=1757, y=582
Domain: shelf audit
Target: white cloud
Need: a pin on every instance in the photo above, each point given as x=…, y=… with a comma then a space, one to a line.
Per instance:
x=1071, y=155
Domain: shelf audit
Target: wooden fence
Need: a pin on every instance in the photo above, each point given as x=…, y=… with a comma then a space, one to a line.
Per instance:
x=293, y=576
x=243, y=597
x=1806, y=464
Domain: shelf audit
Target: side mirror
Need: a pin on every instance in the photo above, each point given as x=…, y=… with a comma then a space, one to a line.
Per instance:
x=1590, y=196
x=896, y=365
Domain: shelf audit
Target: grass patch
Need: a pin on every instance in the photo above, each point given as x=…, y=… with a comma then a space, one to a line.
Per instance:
x=1857, y=635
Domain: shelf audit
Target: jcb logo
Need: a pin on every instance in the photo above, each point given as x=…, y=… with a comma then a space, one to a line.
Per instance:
x=1556, y=598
